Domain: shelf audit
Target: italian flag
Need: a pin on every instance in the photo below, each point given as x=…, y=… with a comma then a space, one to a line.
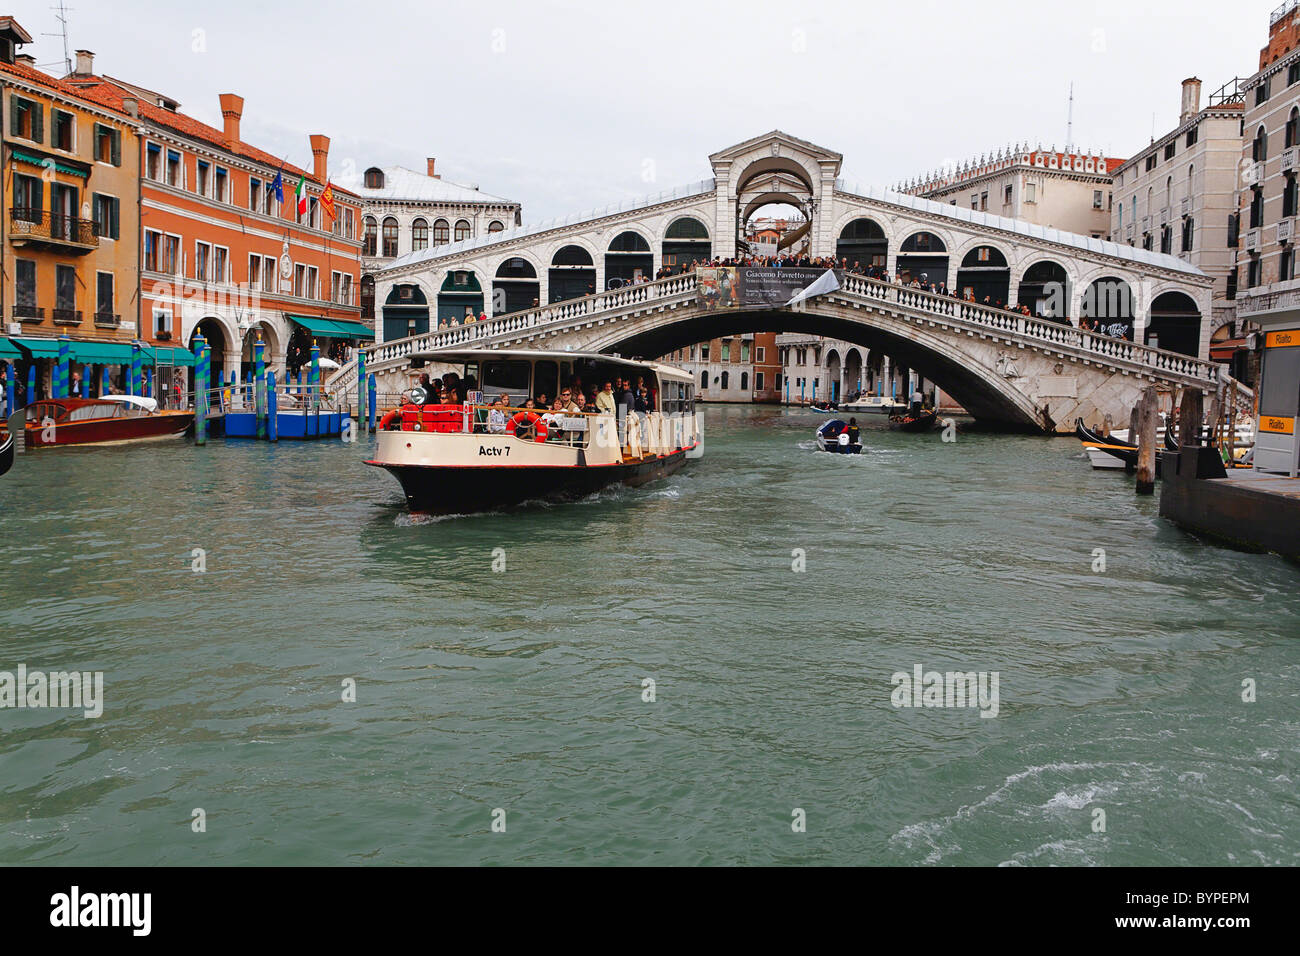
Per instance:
x=301, y=195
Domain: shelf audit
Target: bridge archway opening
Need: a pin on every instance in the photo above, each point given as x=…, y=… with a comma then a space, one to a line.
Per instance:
x=852, y=382
x=686, y=241
x=833, y=374
x=572, y=274
x=863, y=245
x=774, y=225
x=923, y=257
x=1045, y=288
x=460, y=295
x=1175, y=324
x=628, y=259
x=985, y=276
x=214, y=334
x=515, y=287
x=1108, y=303
x=406, y=312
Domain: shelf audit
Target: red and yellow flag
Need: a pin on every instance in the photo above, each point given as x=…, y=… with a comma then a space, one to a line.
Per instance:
x=327, y=200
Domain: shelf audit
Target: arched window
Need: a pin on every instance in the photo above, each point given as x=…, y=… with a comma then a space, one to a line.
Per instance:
x=1191, y=175
x=1293, y=128
x=441, y=232
x=687, y=227
x=390, y=238
x=923, y=242
x=462, y=229
x=744, y=381
x=704, y=380
x=370, y=236
x=1259, y=149
x=374, y=178
x=420, y=234
x=629, y=242
x=496, y=225
x=1169, y=190
x=725, y=381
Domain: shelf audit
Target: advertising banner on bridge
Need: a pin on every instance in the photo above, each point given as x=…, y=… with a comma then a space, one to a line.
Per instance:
x=753, y=287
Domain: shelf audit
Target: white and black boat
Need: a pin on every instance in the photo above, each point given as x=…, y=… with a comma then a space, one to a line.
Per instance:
x=489, y=451
x=838, y=436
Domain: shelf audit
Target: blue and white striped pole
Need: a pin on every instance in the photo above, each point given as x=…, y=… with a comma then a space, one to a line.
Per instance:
x=259, y=387
x=200, y=390
x=272, y=407
x=61, y=376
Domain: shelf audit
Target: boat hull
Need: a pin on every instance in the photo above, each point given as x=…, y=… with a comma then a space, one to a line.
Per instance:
x=104, y=430
x=6, y=452
x=444, y=489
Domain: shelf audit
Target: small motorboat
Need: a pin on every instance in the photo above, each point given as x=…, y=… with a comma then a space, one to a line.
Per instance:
x=88, y=421
x=873, y=405
x=914, y=423
x=825, y=407
x=834, y=436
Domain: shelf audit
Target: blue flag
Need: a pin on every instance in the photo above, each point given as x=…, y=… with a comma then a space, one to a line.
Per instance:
x=278, y=186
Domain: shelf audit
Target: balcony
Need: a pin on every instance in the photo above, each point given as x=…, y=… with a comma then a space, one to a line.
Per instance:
x=1129, y=227
x=66, y=316
x=1285, y=230
x=38, y=227
x=1185, y=206
x=1252, y=240
x=1164, y=216
x=28, y=313
x=1146, y=223
x=107, y=320
x=1289, y=156
x=1253, y=174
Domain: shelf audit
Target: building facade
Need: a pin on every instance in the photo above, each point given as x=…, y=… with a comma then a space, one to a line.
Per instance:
x=71, y=217
x=740, y=368
x=1070, y=191
x=1179, y=196
x=404, y=212
x=220, y=254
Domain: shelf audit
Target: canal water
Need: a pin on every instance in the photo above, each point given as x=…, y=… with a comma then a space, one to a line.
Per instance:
x=769, y=591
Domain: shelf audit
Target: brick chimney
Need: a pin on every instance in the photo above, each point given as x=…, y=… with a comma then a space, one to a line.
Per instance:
x=320, y=156
x=232, y=108
x=85, y=64
x=432, y=175
x=1191, y=99
x=26, y=59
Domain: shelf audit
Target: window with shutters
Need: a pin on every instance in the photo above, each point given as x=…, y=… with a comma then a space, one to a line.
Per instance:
x=202, y=257
x=104, y=294
x=29, y=198
x=221, y=183
x=108, y=145
x=26, y=119
x=106, y=211
x=64, y=131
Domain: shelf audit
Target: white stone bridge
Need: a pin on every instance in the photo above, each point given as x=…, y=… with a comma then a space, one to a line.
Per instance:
x=1004, y=367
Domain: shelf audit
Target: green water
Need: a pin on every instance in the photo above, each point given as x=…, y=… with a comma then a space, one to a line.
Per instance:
x=523, y=690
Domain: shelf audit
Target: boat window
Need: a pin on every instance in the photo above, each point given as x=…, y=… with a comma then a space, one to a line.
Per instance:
x=506, y=375
x=546, y=379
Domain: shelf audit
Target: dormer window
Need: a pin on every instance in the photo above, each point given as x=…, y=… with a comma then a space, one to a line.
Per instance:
x=374, y=178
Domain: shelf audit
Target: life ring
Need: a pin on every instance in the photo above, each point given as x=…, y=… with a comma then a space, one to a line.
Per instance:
x=528, y=419
x=390, y=416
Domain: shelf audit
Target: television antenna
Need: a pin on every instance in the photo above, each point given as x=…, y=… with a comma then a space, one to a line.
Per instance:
x=61, y=14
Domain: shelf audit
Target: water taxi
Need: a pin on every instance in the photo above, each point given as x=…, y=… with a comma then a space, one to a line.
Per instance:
x=91, y=421
x=490, y=447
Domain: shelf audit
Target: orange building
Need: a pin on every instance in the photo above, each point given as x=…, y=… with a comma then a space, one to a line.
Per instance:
x=221, y=254
x=68, y=249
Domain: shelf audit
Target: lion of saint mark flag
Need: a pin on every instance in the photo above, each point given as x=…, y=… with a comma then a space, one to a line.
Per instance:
x=327, y=201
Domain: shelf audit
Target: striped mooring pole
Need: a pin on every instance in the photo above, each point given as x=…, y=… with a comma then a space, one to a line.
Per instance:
x=31, y=383
x=200, y=390
x=148, y=381
x=370, y=387
x=272, y=407
x=103, y=381
x=136, y=364
x=313, y=377
x=259, y=386
x=61, y=376
x=361, y=387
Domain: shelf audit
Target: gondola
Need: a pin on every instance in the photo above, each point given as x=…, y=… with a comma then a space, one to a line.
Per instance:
x=824, y=407
x=833, y=436
x=914, y=423
x=6, y=451
x=1106, y=451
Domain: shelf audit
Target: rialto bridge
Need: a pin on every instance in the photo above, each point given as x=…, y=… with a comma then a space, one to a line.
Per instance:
x=569, y=284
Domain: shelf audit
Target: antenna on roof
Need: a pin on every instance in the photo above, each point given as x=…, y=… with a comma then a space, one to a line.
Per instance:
x=1069, y=122
x=61, y=14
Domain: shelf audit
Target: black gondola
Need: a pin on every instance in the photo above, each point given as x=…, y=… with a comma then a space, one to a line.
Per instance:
x=914, y=423
x=6, y=452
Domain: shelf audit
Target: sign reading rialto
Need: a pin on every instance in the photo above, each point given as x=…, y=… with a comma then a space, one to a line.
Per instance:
x=752, y=287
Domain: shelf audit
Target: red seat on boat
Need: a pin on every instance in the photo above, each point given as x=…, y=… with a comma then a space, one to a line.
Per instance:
x=448, y=419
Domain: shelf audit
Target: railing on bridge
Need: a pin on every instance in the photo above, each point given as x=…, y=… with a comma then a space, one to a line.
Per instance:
x=572, y=313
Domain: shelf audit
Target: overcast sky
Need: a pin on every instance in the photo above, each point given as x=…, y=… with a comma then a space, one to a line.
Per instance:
x=566, y=106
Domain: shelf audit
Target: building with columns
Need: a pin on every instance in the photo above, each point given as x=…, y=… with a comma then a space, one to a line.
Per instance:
x=740, y=368
x=220, y=255
x=1069, y=190
x=1179, y=196
x=405, y=212
x=1053, y=272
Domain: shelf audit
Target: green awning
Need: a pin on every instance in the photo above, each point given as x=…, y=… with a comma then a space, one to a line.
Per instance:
x=38, y=348
x=165, y=355
x=102, y=353
x=28, y=158
x=324, y=328
x=9, y=351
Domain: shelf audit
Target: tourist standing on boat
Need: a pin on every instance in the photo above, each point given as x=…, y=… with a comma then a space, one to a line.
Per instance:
x=605, y=400
x=917, y=398
x=855, y=433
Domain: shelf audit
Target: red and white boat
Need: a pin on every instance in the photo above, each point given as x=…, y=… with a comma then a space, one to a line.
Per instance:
x=477, y=456
x=92, y=421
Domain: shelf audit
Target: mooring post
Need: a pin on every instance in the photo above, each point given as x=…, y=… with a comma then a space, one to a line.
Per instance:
x=1213, y=419
x=370, y=387
x=103, y=381
x=61, y=375
x=31, y=383
x=1146, y=441
x=148, y=382
x=1189, y=417
x=259, y=387
x=136, y=366
x=361, y=387
x=272, y=406
x=200, y=390
x=313, y=377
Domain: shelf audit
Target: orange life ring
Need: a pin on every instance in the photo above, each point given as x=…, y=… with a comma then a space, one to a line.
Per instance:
x=389, y=417
x=528, y=419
